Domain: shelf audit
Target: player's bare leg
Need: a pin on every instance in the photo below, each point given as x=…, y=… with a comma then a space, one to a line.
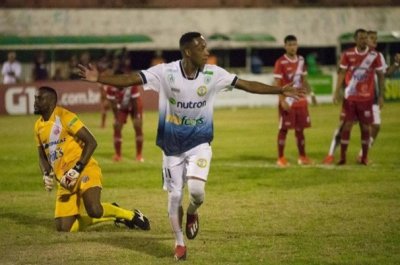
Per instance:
x=282, y=162
x=102, y=212
x=344, y=141
x=365, y=142
x=117, y=140
x=301, y=146
x=105, y=106
x=64, y=224
x=137, y=121
x=138, y=127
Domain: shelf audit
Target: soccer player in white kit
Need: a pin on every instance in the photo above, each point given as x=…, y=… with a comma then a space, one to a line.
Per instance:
x=187, y=90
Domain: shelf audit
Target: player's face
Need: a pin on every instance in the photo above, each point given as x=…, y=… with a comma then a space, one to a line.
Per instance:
x=199, y=52
x=372, y=40
x=41, y=104
x=361, y=40
x=291, y=47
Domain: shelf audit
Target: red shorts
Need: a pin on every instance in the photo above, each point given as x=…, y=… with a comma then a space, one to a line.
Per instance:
x=358, y=111
x=135, y=110
x=295, y=118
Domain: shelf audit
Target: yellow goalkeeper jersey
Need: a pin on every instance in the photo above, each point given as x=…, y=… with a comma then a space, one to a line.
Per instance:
x=57, y=137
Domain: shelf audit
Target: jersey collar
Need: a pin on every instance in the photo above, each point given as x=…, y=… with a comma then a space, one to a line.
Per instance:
x=361, y=53
x=291, y=60
x=183, y=72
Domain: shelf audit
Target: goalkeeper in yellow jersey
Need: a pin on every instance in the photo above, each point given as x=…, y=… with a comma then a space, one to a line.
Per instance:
x=65, y=149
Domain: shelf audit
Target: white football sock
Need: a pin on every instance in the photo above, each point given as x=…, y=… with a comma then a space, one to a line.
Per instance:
x=196, y=193
x=174, y=203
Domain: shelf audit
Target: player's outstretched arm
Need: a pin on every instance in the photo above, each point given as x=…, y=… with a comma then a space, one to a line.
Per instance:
x=261, y=88
x=91, y=74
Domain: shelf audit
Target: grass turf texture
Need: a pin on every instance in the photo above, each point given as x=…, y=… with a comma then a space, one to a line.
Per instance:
x=254, y=212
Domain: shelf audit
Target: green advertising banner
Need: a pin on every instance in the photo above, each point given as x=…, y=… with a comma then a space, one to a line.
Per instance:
x=392, y=92
x=321, y=84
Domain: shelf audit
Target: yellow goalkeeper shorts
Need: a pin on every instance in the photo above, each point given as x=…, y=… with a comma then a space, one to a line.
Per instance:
x=70, y=203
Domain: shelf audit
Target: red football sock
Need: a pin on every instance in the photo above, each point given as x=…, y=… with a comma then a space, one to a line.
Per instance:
x=344, y=143
x=365, y=143
x=300, y=140
x=139, y=139
x=281, y=142
x=117, y=141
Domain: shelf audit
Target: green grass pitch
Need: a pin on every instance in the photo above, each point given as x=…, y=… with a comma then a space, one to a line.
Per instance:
x=254, y=212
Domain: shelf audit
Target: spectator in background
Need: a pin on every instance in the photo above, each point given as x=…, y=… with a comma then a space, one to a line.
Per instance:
x=84, y=58
x=157, y=59
x=40, y=71
x=73, y=68
x=212, y=59
x=57, y=75
x=256, y=64
x=125, y=66
x=12, y=69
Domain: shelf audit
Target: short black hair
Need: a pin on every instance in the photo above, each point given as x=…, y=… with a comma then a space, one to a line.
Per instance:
x=188, y=37
x=51, y=91
x=290, y=38
x=359, y=31
x=369, y=32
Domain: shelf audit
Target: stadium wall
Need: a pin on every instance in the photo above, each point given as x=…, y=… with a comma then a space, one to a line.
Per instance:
x=313, y=26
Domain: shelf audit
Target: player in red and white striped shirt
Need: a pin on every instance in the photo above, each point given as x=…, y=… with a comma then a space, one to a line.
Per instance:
x=357, y=69
x=293, y=113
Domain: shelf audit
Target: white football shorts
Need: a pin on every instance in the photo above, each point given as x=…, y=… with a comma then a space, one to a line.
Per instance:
x=192, y=163
x=376, y=112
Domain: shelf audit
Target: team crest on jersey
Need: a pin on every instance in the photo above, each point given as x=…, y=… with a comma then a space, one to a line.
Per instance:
x=202, y=91
x=171, y=79
x=85, y=179
x=56, y=130
x=202, y=162
x=207, y=79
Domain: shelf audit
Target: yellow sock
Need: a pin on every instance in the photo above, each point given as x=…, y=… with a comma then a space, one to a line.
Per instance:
x=84, y=221
x=110, y=210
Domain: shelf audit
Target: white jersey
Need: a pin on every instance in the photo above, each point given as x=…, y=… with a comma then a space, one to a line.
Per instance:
x=185, y=105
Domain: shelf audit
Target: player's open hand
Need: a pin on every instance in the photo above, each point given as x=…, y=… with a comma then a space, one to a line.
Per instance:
x=293, y=92
x=88, y=73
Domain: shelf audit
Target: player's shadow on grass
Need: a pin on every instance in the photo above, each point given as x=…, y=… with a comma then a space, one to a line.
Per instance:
x=137, y=240
x=28, y=220
x=151, y=245
x=243, y=158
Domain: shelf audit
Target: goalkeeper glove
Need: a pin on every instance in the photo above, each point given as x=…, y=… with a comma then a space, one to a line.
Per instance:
x=70, y=178
x=48, y=181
